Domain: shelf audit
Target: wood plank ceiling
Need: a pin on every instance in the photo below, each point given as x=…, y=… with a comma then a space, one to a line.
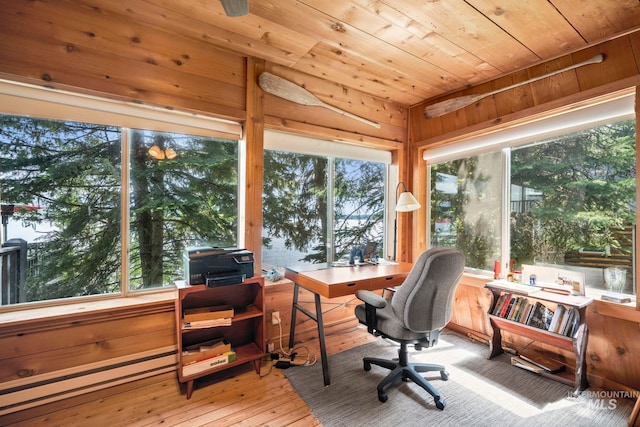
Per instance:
x=405, y=51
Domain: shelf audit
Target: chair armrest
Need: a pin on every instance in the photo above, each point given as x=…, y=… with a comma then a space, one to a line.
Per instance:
x=372, y=302
x=371, y=298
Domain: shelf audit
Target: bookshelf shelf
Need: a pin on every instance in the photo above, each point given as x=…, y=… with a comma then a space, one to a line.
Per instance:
x=245, y=334
x=575, y=343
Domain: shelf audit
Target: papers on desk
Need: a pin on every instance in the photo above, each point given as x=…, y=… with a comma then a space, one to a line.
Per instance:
x=345, y=263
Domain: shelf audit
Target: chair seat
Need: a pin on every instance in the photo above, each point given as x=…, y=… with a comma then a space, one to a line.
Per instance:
x=389, y=325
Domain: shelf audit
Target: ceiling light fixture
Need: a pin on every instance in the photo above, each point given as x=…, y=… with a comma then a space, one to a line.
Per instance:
x=235, y=7
x=160, y=154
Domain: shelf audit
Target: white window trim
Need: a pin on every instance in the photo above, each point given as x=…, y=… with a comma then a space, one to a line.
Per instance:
x=281, y=141
x=580, y=118
x=28, y=100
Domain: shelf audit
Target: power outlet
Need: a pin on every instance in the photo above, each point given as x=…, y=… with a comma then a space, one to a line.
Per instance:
x=275, y=318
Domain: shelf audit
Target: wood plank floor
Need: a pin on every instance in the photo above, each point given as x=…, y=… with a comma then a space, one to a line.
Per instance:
x=236, y=397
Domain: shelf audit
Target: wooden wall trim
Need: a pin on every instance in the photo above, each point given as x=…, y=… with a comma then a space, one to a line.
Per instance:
x=306, y=129
x=254, y=143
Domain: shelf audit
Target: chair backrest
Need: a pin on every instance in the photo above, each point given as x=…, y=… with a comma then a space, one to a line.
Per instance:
x=424, y=301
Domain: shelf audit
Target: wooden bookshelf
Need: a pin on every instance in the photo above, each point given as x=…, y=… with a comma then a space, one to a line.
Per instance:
x=575, y=343
x=245, y=334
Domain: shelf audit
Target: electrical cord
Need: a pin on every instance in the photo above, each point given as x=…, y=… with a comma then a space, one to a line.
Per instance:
x=292, y=354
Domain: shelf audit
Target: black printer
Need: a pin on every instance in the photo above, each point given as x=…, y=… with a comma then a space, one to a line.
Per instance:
x=213, y=266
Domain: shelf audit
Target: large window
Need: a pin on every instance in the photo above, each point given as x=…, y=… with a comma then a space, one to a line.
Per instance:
x=318, y=207
x=185, y=195
x=465, y=207
x=89, y=209
x=570, y=202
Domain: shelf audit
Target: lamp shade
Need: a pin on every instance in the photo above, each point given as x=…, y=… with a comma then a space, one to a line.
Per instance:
x=407, y=203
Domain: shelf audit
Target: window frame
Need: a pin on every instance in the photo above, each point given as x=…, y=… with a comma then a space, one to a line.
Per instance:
x=331, y=150
x=609, y=108
x=21, y=99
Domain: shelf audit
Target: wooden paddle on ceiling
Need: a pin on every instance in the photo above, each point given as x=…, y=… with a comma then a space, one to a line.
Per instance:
x=449, y=105
x=291, y=92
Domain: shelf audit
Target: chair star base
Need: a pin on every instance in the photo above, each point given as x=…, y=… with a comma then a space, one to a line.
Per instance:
x=405, y=371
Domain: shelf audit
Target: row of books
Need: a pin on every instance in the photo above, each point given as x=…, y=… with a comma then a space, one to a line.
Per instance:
x=517, y=308
x=207, y=317
x=206, y=355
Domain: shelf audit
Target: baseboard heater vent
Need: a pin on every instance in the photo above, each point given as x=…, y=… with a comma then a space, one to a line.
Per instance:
x=42, y=389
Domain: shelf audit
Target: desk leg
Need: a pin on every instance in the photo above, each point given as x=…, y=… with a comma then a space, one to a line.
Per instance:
x=294, y=311
x=318, y=319
x=323, y=346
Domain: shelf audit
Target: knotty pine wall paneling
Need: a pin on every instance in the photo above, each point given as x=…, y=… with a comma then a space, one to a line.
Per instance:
x=88, y=49
x=620, y=69
x=53, y=358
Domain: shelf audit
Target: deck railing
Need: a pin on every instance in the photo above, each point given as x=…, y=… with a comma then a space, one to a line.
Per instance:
x=13, y=271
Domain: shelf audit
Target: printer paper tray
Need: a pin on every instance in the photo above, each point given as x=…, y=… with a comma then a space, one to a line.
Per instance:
x=228, y=279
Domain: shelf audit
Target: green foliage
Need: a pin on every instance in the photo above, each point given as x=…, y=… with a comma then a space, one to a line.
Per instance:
x=295, y=203
x=586, y=187
x=587, y=182
x=72, y=171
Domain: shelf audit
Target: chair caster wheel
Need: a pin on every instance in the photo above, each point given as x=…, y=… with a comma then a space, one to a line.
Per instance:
x=367, y=366
x=444, y=375
x=382, y=397
x=440, y=403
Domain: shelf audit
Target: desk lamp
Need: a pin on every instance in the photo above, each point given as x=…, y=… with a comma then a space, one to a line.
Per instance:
x=405, y=203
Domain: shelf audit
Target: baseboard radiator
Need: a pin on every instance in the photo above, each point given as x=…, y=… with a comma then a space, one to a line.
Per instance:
x=37, y=390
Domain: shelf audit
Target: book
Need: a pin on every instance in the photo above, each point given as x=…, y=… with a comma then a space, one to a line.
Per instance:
x=208, y=363
x=499, y=304
x=541, y=316
x=506, y=306
x=573, y=322
x=556, y=320
x=615, y=297
x=193, y=353
x=207, y=313
x=524, y=312
x=521, y=363
x=227, y=321
x=562, y=328
x=514, y=308
x=547, y=365
x=516, y=314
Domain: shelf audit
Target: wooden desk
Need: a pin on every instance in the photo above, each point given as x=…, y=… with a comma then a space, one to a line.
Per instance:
x=331, y=282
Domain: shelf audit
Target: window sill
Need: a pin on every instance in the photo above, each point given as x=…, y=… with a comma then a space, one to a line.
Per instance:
x=157, y=301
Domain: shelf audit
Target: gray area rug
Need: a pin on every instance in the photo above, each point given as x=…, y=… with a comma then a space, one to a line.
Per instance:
x=479, y=392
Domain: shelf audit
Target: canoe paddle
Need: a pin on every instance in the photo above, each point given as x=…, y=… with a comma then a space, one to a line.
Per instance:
x=291, y=92
x=449, y=105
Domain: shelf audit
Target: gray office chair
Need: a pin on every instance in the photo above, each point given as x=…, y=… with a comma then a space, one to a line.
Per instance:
x=415, y=314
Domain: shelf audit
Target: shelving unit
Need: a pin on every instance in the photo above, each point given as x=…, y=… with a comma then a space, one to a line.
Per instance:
x=576, y=343
x=245, y=334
